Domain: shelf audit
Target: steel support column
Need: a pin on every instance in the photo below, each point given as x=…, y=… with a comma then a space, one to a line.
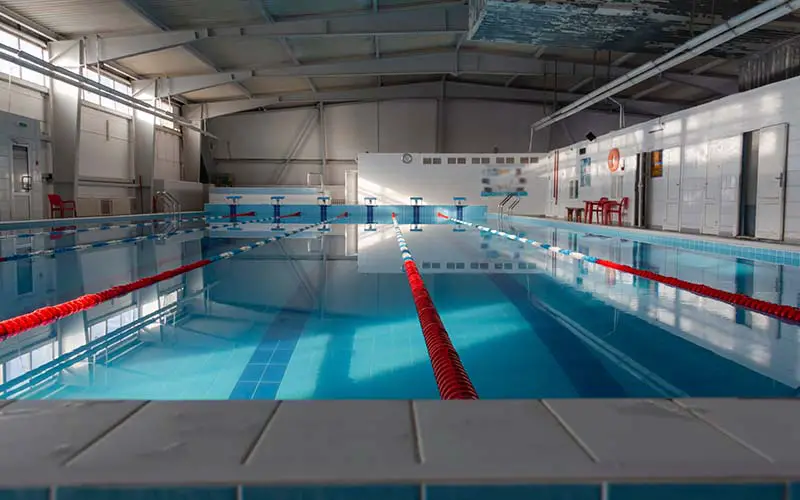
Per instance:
x=65, y=120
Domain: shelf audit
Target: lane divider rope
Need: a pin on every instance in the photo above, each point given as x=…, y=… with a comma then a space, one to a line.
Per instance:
x=265, y=219
x=49, y=314
x=780, y=311
x=451, y=377
x=64, y=232
x=121, y=241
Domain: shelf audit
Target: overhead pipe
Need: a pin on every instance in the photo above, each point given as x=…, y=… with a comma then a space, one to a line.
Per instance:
x=50, y=70
x=738, y=25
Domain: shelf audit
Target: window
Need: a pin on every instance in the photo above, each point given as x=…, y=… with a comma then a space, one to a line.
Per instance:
x=31, y=48
x=616, y=186
x=169, y=108
x=573, y=190
x=105, y=101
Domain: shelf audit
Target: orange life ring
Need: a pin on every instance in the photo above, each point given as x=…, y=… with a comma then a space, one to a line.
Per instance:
x=613, y=160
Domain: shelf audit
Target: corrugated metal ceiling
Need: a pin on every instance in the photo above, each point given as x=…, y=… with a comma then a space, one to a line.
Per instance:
x=174, y=62
x=78, y=17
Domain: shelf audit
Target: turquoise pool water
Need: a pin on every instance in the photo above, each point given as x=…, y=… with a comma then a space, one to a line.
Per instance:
x=329, y=315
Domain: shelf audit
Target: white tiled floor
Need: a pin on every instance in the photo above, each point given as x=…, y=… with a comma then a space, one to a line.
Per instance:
x=502, y=441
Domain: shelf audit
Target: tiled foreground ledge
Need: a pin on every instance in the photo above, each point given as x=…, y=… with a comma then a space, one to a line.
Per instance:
x=511, y=442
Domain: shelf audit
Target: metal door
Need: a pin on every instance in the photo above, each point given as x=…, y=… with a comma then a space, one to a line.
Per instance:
x=772, y=152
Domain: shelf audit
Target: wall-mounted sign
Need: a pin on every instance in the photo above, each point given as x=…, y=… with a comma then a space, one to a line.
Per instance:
x=586, y=172
x=656, y=163
x=613, y=160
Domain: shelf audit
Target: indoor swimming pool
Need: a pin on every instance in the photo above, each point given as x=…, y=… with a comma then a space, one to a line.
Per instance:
x=327, y=314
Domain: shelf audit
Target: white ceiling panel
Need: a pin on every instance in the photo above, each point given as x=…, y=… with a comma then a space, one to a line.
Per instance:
x=229, y=91
x=173, y=62
x=276, y=85
x=245, y=52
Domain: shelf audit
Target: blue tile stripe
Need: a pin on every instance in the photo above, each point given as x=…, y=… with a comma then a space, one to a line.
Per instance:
x=264, y=372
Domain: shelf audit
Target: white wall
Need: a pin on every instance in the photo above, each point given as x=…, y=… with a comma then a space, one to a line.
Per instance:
x=105, y=144
x=253, y=145
x=699, y=144
x=388, y=178
x=168, y=155
x=575, y=128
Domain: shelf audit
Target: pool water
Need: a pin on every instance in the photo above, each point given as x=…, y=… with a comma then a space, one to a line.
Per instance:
x=329, y=315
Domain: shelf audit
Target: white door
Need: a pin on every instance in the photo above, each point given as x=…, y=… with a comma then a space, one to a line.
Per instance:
x=22, y=183
x=713, y=187
x=672, y=174
x=692, y=187
x=772, y=150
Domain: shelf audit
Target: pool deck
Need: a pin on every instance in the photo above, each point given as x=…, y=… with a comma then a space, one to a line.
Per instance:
x=398, y=442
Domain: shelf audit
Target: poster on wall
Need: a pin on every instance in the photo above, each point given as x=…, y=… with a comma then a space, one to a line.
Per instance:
x=586, y=172
x=504, y=181
x=656, y=163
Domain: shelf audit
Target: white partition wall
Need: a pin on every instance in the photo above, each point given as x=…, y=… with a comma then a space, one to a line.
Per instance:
x=699, y=187
x=393, y=178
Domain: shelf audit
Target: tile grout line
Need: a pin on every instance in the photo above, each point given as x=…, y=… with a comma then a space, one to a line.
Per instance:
x=574, y=435
x=104, y=434
x=419, y=455
x=261, y=434
x=724, y=431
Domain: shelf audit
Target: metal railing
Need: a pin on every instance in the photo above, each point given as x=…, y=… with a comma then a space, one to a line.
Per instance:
x=166, y=202
x=507, y=206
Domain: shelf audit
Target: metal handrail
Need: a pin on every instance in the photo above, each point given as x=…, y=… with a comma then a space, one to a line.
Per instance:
x=502, y=204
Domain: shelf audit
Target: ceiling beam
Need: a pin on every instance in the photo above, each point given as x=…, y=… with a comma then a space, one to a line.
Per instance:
x=431, y=20
x=617, y=62
x=262, y=7
x=427, y=90
x=669, y=80
x=434, y=63
x=152, y=19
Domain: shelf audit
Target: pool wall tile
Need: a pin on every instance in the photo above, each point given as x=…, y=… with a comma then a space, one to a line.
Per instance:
x=531, y=492
x=179, y=493
x=333, y=493
x=697, y=492
x=25, y=494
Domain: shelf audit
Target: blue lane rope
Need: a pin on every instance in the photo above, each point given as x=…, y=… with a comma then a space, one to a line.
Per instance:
x=521, y=239
x=97, y=244
x=64, y=232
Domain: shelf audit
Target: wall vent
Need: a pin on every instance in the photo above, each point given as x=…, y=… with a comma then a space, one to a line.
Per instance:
x=485, y=161
x=451, y=161
x=476, y=160
x=509, y=160
x=426, y=161
x=582, y=151
x=106, y=207
x=500, y=160
x=461, y=161
x=437, y=161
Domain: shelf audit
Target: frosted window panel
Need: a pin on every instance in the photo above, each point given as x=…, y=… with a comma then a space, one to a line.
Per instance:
x=97, y=331
x=12, y=41
x=37, y=52
x=19, y=366
x=42, y=355
x=114, y=323
x=104, y=101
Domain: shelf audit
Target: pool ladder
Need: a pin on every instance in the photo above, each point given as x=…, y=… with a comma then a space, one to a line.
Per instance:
x=507, y=206
x=166, y=202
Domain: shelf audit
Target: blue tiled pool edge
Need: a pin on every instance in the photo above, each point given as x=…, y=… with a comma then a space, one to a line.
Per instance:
x=736, y=248
x=779, y=491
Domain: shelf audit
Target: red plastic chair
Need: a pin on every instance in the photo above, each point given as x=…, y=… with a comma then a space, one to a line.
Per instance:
x=597, y=207
x=61, y=206
x=615, y=207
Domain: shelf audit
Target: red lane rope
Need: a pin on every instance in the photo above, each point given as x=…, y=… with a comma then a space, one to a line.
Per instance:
x=782, y=311
x=451, y=377
x=246, y=214
x=50, y=314
x=295, y=214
